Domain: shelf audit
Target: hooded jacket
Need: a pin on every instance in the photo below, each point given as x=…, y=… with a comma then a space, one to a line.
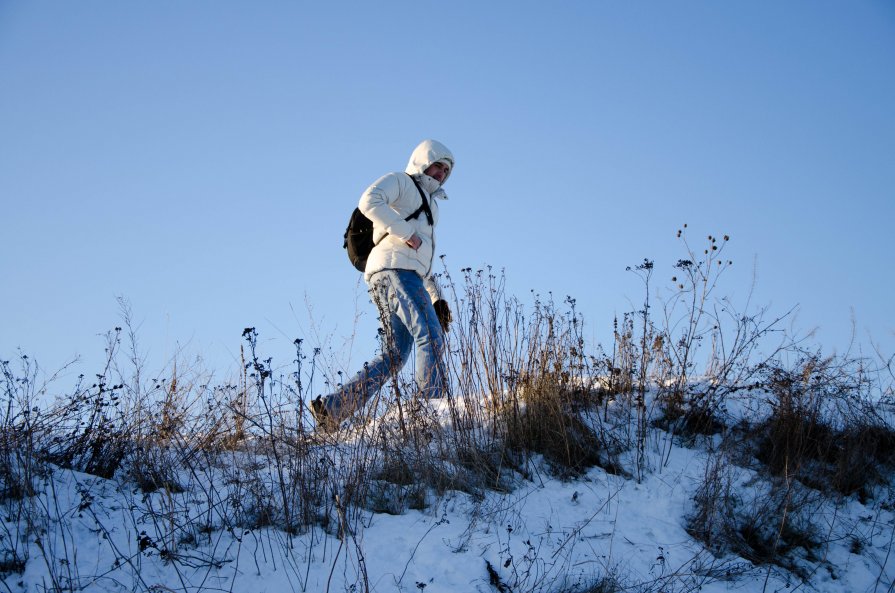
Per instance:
x=390, y=200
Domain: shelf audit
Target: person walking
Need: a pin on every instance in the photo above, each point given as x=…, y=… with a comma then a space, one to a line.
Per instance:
x=404, y=210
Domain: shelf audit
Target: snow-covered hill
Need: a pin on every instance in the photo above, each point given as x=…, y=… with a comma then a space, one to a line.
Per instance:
x=592, y=532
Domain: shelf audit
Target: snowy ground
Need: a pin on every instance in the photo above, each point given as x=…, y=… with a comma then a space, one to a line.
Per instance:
x=546, y=535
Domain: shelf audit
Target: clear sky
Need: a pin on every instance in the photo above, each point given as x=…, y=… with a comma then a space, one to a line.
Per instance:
x=200, y=159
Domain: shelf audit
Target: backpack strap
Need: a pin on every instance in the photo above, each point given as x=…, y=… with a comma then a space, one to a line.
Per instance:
x=424, y=207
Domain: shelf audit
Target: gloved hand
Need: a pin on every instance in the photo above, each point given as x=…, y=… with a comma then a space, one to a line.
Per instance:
x=444, y=314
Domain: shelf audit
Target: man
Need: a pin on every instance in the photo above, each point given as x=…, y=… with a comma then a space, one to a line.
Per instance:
x=404, y=210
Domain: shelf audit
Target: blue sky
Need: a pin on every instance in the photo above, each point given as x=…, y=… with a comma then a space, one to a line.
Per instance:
x=200, y=159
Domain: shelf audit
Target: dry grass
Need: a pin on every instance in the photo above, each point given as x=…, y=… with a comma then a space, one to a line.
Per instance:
x=527, y=394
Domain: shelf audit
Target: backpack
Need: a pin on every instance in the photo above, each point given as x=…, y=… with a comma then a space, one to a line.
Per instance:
x=358, y=237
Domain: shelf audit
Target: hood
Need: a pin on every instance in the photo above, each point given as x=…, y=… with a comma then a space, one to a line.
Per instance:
x=427, y=153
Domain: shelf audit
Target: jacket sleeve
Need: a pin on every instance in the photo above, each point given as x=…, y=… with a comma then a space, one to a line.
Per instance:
x=376, y=201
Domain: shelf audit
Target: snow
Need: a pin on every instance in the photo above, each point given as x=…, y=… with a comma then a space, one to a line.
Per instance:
x=546, y=534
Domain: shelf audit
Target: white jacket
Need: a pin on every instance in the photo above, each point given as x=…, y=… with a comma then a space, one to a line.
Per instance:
x=390, y=200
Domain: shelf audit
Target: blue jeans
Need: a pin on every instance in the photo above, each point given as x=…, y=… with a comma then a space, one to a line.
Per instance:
x=408, y=320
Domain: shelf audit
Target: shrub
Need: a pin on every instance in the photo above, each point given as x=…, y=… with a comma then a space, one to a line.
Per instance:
x=823, y=428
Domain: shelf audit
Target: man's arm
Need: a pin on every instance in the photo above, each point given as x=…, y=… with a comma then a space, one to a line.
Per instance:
x=376, y=201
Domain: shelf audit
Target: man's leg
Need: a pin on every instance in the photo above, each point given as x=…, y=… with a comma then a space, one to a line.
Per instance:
x=396, y=347
x=413, y=306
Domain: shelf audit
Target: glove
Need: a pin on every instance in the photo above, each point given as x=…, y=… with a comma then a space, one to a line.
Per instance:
x=444, y=314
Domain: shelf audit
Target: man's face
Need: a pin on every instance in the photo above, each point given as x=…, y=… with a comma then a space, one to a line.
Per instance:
x=438, y=171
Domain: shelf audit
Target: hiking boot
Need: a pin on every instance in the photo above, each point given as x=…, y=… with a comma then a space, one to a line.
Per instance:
x=324, y=421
